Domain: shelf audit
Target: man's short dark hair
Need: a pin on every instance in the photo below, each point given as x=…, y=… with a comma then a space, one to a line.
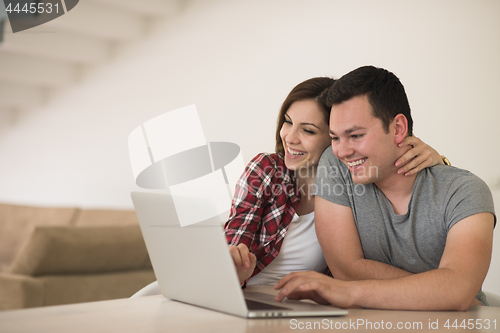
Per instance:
x=385, y=93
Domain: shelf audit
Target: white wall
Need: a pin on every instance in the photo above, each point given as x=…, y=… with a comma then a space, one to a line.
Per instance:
x=237, y=60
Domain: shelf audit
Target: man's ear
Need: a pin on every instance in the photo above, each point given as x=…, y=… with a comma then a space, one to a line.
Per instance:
x=400, y=128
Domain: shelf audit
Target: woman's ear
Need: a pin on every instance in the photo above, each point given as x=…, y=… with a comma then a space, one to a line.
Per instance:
x=400, y=128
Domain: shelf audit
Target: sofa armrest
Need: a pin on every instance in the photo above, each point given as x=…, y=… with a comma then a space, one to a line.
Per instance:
x=20, y=291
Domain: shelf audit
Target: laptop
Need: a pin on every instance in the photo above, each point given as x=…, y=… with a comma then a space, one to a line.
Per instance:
x=193, y=265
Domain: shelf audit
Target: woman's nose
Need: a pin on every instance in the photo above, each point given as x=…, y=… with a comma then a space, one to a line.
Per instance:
x=292, y=136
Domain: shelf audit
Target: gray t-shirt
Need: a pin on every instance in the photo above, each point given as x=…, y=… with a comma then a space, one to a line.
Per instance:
x=442, y=196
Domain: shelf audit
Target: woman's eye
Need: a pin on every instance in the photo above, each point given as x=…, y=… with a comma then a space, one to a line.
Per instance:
x=309, y=131
x=288, y=122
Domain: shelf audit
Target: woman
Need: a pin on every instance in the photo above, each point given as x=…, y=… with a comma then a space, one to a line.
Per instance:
x=270, y=230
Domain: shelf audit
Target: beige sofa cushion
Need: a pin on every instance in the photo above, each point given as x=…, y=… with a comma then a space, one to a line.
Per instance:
x=70, y=250
x=20, y=291
x=17, y=222
x=93, y=287
x=105, y=217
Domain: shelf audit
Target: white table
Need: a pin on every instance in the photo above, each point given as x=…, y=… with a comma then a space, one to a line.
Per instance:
x=158, y=314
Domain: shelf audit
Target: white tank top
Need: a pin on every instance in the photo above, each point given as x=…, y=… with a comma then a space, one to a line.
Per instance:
x=300, y=251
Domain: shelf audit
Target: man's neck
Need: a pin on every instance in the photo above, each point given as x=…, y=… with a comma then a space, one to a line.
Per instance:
x=398, y=189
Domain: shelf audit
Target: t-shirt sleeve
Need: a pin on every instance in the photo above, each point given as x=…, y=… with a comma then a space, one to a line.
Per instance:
x=467, y=196
x=333, y=180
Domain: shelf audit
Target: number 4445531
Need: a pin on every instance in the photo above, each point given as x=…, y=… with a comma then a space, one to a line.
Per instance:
x=472, y=324
x=33, y=8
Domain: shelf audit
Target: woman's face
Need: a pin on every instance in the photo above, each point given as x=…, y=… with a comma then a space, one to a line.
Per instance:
x=304, y=135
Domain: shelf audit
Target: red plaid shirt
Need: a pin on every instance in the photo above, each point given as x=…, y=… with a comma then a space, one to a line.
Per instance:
x=264, y=203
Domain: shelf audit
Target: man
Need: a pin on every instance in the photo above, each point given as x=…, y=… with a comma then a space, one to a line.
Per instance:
x=420, y=242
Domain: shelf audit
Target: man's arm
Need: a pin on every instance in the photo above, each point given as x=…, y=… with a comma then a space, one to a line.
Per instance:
x=338, y=236
x=452, y=286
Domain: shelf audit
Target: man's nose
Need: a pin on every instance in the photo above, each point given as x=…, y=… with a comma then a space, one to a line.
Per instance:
x=344, y=149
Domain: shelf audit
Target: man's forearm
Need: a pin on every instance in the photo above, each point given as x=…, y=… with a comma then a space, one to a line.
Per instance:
x=439, y=289
x=365, y=269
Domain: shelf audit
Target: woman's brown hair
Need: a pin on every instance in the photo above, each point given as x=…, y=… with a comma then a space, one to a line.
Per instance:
x=312, y=89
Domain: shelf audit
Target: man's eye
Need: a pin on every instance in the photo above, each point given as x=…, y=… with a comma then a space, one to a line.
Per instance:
x=356, y=136
x=334, y=138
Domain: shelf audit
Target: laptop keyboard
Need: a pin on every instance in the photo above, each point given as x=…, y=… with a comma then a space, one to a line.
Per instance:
x=253, y=305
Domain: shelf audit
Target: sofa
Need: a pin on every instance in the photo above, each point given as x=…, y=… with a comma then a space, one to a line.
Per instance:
x=61, y=255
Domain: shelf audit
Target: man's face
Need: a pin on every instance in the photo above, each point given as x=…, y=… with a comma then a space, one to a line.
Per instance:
x=360, y=141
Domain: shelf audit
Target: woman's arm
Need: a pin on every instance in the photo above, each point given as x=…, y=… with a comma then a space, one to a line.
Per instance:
x=245, y=220
x=421, y=156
